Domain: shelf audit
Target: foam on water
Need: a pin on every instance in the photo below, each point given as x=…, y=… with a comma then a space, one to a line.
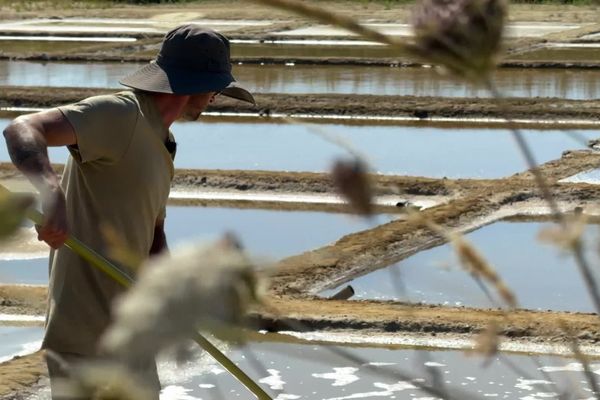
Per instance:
x=341, y=376
x=19, y=341
x=274, y=380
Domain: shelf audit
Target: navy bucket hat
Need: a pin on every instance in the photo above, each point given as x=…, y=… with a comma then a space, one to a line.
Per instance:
x=191, y=60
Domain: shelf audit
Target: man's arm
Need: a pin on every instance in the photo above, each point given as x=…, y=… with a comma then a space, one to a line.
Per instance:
x=159, y=244
x=27, y=140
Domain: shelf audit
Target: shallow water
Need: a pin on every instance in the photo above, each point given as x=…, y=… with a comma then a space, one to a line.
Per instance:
x=311, y=371
x=569, y=84
x=15, y=341
x=274, y=234
x=418, y=151
x=539, y=274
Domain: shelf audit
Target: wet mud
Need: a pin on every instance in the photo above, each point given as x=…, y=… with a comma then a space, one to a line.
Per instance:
x=418, y=107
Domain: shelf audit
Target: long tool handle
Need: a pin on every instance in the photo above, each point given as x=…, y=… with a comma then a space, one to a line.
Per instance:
x=117, y=274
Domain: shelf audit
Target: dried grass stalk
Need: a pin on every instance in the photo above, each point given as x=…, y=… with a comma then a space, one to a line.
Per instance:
x=487, y=342
x=566, y=236
x=117, y=249
x=13, y=210
x=475, y=263
x=332, y=18
x=351, y=179
x=462, y=35
x=471, y=259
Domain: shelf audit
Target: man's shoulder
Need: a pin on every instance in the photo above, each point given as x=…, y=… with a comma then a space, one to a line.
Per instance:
x=119, y=110
x=124, y=101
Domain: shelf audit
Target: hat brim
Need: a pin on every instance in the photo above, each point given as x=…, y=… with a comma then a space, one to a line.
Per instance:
x=154, y=78
x=235, y=91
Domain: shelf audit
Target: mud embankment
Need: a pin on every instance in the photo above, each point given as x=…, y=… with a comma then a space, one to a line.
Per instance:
x=19, y=375
x=347, y=105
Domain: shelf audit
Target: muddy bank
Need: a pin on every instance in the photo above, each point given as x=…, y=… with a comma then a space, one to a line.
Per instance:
x=365, y=251
x=347, y=105
x=318, y=314
x=285, y=182
x=19, y=375
x=23, y=299
x=315, y=314
x=404, y=62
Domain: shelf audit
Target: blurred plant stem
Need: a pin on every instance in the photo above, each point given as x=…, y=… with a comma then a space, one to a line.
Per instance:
x=577, y=245
x=123, y=278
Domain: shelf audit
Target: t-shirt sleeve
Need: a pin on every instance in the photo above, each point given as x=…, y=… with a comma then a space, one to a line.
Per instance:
x=103, y=125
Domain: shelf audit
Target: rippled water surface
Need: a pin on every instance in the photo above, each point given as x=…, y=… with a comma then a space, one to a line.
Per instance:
x=561, y=83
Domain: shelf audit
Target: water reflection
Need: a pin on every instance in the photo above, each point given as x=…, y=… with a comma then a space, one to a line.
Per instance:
x=561, y=83
x=275, y=234
x=540, y=276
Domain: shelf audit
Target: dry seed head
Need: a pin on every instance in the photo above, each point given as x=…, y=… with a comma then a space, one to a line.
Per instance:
x=462, y=35
x=487, y=342
x=117, y=249
x=351, y=179
x=207, y=287
x=101, y=381
x=13, y=209
x=565, y=236
x=474, y=263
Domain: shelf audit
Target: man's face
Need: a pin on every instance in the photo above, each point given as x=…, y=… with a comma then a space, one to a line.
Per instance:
x=196, y=105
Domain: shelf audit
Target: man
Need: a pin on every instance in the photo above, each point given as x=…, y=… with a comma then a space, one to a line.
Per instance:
x=118, y=175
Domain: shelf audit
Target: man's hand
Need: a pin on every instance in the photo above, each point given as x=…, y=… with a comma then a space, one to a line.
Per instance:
x=55, y=230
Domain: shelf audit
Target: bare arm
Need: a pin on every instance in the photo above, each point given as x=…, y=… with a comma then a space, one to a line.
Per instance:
x=159, y=244
x=27, y=140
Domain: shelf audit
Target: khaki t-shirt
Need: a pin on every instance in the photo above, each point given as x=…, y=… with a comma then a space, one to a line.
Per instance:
x=119, y=174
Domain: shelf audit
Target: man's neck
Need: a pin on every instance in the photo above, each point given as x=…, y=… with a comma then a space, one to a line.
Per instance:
x=169, y=106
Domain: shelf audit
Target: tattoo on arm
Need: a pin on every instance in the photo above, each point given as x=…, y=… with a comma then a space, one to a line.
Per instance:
x=28, y=150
